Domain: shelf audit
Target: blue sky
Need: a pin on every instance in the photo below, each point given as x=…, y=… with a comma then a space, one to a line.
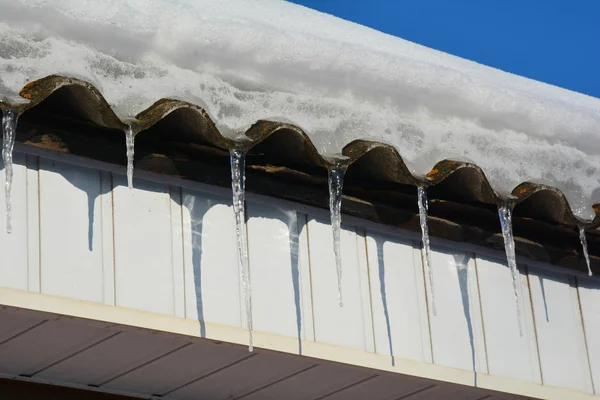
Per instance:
x=554, y=41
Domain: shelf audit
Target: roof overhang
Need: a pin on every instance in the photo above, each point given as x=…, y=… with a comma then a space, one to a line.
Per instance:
x=47, y=339
x=179, y=139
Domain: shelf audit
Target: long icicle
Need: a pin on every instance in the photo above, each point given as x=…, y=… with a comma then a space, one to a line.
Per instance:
x=9, y=130
x=336, y=182
x=130, y=145
x=423, y=213
x=584, y=246
x=238, y=160
x=505, y=214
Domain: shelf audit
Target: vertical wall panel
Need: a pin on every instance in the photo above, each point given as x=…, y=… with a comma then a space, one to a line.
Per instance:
x=108, y=255
x=274, y=270
x=177, y=252
x=33, y=224
x=397, y=306
x=210, y=253
x=305, y=278
x=509, y=354
x=13, y=246
x=70, y=231
x=589, y=296
x=456, y=331
x=559, y=327
x=143, y=247
x=343, y=326
x=365, y=289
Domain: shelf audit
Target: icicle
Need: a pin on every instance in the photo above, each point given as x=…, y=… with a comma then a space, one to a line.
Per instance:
x=585, y=248
x=9, y=129
x=505, y=214
x=336, y=182
x=238, y=160
x=423, y=210
x=130, y=144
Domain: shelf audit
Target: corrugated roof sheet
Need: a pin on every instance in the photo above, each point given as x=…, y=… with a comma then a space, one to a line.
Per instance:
x=179, y=138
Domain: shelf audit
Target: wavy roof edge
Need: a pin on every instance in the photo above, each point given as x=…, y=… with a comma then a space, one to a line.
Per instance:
x=377, y=161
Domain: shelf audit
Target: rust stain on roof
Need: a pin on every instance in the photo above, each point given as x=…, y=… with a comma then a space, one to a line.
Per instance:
x=431, y=174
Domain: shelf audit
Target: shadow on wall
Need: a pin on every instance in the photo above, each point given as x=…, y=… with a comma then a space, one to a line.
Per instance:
x=195, y=228
x=285, y=236
x=543, y=289
x=382, y=290
x=198, y=208
x=461, y=261
x=552, y=279
x=92, y=182
x=95, y=183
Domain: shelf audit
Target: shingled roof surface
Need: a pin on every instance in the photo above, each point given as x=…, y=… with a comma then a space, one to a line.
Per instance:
x=180, y=139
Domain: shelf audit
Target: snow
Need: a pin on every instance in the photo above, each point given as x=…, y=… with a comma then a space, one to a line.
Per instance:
x=244, y=60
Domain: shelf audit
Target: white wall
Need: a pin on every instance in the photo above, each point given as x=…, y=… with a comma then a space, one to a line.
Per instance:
x=169, y=247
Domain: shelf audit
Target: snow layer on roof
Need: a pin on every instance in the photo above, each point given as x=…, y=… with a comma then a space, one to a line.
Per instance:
x=245, y=60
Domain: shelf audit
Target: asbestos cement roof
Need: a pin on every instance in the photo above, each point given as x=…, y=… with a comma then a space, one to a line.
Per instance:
x=180, y=139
